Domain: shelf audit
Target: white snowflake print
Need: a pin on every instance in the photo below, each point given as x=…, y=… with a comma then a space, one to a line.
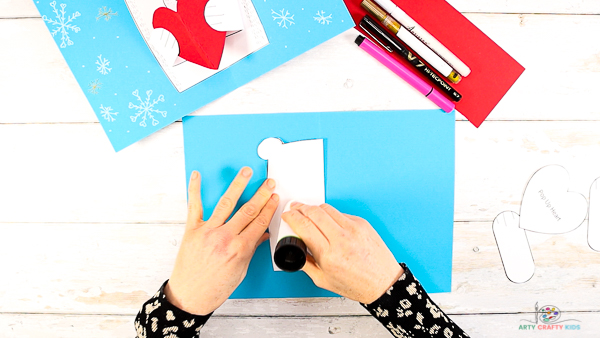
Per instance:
x=146, y=109
x=63, y=25
x=105, y=13
x=103, y=65
x=107, y=113
x=284, y=18
x=322, y=19
x=95, y=86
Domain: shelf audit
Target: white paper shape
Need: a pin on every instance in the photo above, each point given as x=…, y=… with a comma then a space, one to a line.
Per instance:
x=514, y=248
x=171, y=4
x=548, y=207
x=299, y=172
x=184, y=74
x=166, y=45
x=224, y=15
x=284, y=229
x=594, y=216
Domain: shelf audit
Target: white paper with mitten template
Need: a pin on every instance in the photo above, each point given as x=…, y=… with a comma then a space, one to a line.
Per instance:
x=548, y=206
x=514, y=247
x=165, y=48
x=299, y=172
x=594, y=216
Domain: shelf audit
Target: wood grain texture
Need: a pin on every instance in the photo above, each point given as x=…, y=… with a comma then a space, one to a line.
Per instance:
x=18, y=9
x=559, y=85
x=495, y=162
x=113, y=268
x=65, y=326
x=26, y=8
x=77, y=326
x=530, y=6
x=71, y=174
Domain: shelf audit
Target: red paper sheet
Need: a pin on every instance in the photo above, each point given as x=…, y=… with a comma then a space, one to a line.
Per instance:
x=493, y=71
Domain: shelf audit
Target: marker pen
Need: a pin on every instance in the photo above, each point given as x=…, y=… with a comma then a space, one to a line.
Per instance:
x=391, y=44
x=419, y=47
x=405, y=73
x=290, y=252
x=423, y=35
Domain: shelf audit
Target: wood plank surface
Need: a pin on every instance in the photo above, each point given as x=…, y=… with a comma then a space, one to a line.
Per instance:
x=77, y=326
x=26, y=8
x=560, y=85
x=529, y=6
x=69, y=173
x=18, y=9
x=113, y=268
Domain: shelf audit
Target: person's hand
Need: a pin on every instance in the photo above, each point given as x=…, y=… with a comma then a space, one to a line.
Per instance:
x=215, y=254
x=348, y=256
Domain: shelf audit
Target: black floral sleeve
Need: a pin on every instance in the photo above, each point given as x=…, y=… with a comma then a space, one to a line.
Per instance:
x=406, y=310
x=160, y=319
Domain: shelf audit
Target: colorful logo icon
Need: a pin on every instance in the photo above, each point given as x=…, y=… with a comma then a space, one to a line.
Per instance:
x=548, y=314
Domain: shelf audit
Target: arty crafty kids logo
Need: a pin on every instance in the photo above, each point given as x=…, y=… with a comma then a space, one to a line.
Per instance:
x=549, y=318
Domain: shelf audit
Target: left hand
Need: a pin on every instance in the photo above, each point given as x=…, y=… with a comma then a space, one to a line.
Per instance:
x=215, y=254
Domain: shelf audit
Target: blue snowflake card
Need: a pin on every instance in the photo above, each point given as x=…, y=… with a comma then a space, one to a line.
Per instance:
x=393, y=168
x=126, y=85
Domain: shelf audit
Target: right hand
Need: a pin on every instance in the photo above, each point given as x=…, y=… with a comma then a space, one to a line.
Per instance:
x=348, y=255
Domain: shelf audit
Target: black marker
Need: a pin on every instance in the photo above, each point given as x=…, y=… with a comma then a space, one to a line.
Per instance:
x=390, y=44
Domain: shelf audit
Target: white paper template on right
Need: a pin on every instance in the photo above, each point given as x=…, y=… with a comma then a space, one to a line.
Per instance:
x=514, y=247
x=299, y=172
x=594, y=216
x=548, y=206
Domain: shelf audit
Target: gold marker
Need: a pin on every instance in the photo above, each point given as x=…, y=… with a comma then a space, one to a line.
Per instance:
x=410, y=40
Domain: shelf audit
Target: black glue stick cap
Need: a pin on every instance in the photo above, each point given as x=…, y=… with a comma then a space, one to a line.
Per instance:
x=290, y=254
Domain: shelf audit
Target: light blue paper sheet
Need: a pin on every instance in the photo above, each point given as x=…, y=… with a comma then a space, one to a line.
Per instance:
x=121, y=78
x=393, y=168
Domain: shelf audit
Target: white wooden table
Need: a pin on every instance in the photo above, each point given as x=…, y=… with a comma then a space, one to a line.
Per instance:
x=87, y=235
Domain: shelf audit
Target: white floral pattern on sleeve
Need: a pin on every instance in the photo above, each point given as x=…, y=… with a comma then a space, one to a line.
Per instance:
x=406, y=310
x=160, y=319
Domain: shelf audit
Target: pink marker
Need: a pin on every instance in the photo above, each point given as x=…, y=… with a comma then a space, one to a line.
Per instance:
x=406, y=74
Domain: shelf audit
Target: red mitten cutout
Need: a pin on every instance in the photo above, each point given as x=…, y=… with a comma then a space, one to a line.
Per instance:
x=198, y=42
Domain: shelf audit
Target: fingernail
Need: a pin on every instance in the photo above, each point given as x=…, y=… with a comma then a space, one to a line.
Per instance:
x=295, y=204
x=275, y=197
x=246, y=172
x=194, y=174
x=271, y=183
